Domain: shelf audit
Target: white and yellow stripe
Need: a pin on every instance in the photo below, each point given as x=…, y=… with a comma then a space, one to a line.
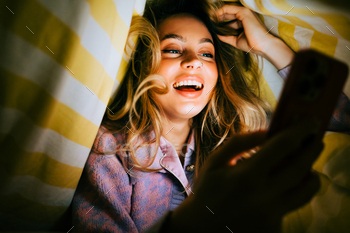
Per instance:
x=63, y=60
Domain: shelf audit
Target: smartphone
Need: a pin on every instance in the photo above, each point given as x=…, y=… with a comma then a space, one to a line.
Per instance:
x=311, y=91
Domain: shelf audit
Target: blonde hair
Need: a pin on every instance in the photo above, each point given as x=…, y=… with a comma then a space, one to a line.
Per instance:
x=234, y=105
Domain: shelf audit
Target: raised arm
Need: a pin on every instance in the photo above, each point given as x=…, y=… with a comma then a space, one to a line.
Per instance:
x=255, y=38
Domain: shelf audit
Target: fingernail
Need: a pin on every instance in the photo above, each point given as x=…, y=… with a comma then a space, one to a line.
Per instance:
x=240, y=160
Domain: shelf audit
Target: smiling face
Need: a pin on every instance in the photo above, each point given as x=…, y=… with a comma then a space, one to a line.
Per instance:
x=188, y=64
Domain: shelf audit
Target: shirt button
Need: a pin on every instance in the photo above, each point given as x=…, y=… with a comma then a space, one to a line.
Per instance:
x=190, y=168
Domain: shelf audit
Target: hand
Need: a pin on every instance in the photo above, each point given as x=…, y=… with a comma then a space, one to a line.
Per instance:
x=253, y=195
x=255, y=37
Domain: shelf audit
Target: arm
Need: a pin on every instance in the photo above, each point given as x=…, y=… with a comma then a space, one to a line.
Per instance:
x=102, y=199
x=107, y=199
x=277, y=52
x=256, y=39
x=243, y=202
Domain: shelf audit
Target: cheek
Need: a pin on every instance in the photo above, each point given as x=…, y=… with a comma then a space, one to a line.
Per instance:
x=167, y=67
x=213, y=73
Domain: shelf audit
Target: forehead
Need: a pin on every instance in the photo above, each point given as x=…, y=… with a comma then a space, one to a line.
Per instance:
x=186, y=25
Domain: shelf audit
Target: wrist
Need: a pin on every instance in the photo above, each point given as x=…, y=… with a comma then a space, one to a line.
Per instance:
x=277, y=52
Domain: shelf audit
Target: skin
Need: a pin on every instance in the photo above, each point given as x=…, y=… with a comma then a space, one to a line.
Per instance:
x=181, y=57
x=253, y=195
x=255, y=38
x=190, y=53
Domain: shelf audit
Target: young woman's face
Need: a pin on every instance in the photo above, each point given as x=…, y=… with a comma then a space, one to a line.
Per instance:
x=188, y=57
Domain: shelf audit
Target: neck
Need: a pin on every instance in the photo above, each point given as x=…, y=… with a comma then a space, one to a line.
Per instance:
x=177, y=133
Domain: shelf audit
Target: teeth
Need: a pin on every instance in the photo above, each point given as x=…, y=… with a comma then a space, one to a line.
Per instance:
x=189, y=83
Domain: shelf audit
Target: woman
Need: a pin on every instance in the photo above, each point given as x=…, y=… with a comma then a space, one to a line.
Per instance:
x=163, y=159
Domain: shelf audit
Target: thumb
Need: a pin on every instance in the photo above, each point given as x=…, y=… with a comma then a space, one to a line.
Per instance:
x=234, y=146
x=232, y=40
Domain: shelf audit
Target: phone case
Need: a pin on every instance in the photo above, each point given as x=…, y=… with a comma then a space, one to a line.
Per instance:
x=311, y=91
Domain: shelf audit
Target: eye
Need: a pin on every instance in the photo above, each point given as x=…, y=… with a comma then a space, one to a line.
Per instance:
x=206, y=55
x=171, y=51
x=209, y=55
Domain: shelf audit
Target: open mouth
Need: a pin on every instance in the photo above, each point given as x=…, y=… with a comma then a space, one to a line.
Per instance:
x=188, y=86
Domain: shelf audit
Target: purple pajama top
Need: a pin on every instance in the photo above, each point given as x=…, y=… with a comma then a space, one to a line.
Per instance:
x=109, y=199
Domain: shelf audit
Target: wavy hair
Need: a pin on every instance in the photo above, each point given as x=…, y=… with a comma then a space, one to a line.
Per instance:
x=234, y=105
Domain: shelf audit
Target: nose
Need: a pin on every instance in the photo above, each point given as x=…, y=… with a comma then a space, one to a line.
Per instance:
x=191, y=62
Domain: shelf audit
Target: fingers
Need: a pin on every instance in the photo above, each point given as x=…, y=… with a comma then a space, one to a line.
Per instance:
x=235, y=24
x=228, y=9
x=232, y=12
x=243, y=18
x=283, y=145
x=234, y=146
x=227, y=17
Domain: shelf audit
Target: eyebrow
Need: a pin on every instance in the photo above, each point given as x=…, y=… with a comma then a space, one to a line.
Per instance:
x=206, y=40
x=180, y=38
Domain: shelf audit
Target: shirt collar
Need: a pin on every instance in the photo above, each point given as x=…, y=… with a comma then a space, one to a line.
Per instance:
x=165, y=147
